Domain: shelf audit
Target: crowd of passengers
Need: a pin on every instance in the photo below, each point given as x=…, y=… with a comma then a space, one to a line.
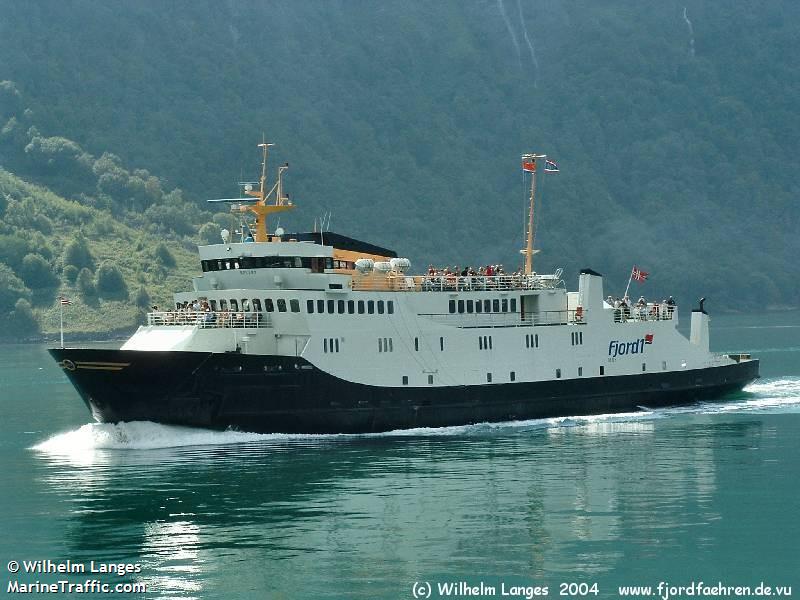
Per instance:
x=197, y=311
x=489, y=276
x=641, y=310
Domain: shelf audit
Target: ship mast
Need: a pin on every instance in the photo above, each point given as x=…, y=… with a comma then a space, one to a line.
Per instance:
x=529, y=165
x=261, y=208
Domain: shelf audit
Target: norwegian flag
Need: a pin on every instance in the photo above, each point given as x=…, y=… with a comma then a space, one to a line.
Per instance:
x=550, y=166
x=64, y=301
x=638, y=275
x=648, y=338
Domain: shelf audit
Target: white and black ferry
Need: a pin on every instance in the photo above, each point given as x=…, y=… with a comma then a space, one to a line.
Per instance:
x=320, y=333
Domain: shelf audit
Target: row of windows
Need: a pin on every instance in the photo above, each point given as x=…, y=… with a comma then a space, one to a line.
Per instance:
x=316, y=264
x=532, y=340
x=351, y=307
x=385, y=345
x=255, y=305
x=483, y=306
x=330, y=345
x=577, y=338
x=484, y=342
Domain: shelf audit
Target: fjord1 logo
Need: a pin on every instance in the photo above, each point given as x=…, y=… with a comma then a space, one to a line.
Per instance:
x=618, y=348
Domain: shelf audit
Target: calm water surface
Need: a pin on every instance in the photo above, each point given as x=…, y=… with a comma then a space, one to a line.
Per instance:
x=709, y=492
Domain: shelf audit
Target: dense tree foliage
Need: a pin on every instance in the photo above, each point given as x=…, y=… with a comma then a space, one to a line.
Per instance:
x=677, y=145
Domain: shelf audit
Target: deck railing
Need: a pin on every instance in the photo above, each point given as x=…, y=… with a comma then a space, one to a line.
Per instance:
x=651, y=312
x=210, y=319
x=454, y=283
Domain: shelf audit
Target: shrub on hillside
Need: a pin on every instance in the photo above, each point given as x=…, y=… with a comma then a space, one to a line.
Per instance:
x=22, y=322
x=85, y=283
x=163, y=256
x=37, y=273
x=12, y=289
x=109, y=282
x=77, y=253
x=142, y=298
x=209, y=234
x=70, y=273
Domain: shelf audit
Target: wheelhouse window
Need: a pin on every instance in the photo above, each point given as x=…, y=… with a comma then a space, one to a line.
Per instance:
x=380, y=307
x=310, y=306
x=294, y=304
x=331, y=306
x=390, y=307
x=256, y=305
x=361, y=307
x=213, y=304
x=234, y=304
x=223, y=304
x=320, y=306
x=269, y=305
x=351, y=307
x=281, y=305
x=340, y=307
x=371, y=307
x=245, y=305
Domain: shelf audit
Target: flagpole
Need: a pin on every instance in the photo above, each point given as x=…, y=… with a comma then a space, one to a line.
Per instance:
x=629, y=284
x=61, y=315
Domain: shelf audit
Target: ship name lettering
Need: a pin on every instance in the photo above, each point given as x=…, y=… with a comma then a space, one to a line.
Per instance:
x=617, y=348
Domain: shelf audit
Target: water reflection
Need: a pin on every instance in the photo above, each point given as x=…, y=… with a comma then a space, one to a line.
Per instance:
x=539, y=498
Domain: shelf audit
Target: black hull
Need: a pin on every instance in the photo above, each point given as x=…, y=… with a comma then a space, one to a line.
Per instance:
x=276, y=394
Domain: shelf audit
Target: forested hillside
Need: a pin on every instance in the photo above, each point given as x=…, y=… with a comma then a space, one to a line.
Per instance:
x=675, y=126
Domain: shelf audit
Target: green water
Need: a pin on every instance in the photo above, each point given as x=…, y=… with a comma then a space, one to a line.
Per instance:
x=709, y=492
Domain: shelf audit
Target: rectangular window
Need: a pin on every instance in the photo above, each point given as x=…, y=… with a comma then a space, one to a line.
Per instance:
x=644, y=367
x=294, y=305
x=340, y=307
x=470, y=306
x=461, y=306
x=480, y=343
x=487, y=306
x=337, y=344
x=527, y=341
x=380, y=344
x=478, y=306
x=505, y=305
x=351, y=307
x=602, y=370
x=536, y=340
x=558, y=373
x=490, y=342
x=391, y=346
x=281, y=305
x=452, y=306
x=416, y=344
x=325, y=345
x=213, y=304
x=371, y=307
x=430, y=379
x=488, y=378
x=512, y=376
x=320, y=306
x=513, y=305
x=234, y=304
x=256, y=305
x=310, y=306
x=441, y=344
x=331, y=306
x=390, y=307
x=405, y=379
x=495, y=305
x=580, y=371
x=223, y=304
x=361, y=307
x=380, y=307
x=245, y=305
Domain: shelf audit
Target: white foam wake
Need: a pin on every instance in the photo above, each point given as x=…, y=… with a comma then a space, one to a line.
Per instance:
x=139, y=435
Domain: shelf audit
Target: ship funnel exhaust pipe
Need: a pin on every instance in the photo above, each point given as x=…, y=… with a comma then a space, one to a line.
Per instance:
x=698, y=334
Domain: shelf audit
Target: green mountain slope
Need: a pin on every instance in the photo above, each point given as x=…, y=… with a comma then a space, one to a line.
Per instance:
x=111, y=272
x=677, y=135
